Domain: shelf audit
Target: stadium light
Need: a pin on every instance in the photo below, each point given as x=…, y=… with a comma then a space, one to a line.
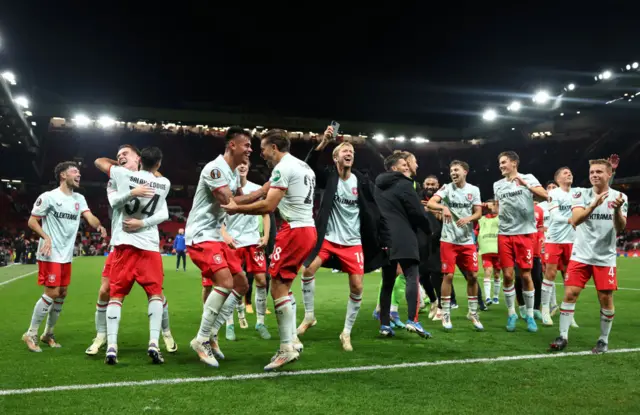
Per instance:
x=515, y=106
x=378, y=137
x=106, y=122
x=634, y=65
x=571, y=87
x=400, y=138
x=490, y=115
x=419, y=140
x=606, y=74
x=34, y=123
x=81, y=120
x=9, y=77
x=541, y=97
x=22, y=101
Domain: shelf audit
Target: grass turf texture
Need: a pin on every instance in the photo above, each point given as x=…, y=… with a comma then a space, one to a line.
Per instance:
x=567, y=384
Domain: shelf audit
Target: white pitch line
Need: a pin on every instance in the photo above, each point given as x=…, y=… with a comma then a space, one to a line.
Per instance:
x=593, y=286
x=18, y=277
x=270, y=375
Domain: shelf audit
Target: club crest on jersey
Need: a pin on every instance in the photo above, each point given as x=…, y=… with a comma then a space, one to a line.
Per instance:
x=39, y=201
x=216, y=174
x=610, y=205
x=354, y=190
x=577, y=195
x=77, y=207
x=469, y=197
x=217, y=259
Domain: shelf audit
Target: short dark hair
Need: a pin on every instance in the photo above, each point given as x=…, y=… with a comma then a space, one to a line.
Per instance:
x=432, y=176
x=150, y=156
x=511, y=155
x=393, y=159
x=130, y=146
x=234, y=132
x=551, y=181
x=62, y=167
x=279, y=138
x=558, y=171
x=460, y=163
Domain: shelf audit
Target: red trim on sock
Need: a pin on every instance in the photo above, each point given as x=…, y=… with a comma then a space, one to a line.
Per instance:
x=283, y=303
x=222, y=293
x=305, y=281
x=45, y=301
x=567, y=311
x=102, y=305
x=119, y=304
x=357, y=300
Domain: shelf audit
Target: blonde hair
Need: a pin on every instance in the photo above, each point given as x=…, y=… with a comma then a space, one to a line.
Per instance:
x=339, y=147
x=603, y=162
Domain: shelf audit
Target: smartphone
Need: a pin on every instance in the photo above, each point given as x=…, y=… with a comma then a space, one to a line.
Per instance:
x=336, y=127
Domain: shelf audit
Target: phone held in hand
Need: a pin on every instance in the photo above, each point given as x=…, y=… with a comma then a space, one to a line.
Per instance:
x=336, y=126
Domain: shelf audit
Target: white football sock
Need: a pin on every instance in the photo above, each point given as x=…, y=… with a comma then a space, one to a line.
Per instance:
x=496, y=287
x=165, y=316
x=547, y=288
x=155, y=320
x=54, y=314
x=566, y=317
x=241, y=308
x=101, y=317
x=285, y=320
x=553, y=301
x=226, y=313
x=308, y=296
x=510, y=298
x=529, y=298
x=353, y=307
x=487, y=287
x=261, y=303
x=606, y=321
x=473, y=305
x=294, y=310
x=40, y=311
x=114, y=311
x=211, y=309
x=445, y=303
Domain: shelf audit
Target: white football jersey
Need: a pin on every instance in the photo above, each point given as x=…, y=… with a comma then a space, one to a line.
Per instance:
x=547, y=216
x=60, y=215
x=298, y=180
x=146, y=238
x=595, y=242
x=244, y=228
x=343, y=226
x=460, y=201
x=207, y=217
x=515, y=206
x=560, y=230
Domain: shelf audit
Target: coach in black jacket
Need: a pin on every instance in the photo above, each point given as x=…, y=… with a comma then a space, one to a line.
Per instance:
x=401, y=216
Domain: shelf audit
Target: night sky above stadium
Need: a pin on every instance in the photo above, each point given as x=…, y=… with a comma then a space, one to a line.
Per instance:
x=383, y=63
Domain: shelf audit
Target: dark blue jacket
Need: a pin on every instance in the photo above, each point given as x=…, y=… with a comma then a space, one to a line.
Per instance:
x=179, y=244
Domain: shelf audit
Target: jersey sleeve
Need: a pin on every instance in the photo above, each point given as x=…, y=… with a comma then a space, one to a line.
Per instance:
x=116, y=199
x=214, y=177
x=41, y=206
x=118, y=174
x=477, y=200
x=531, y=180
x=280, y=178
x=577, y=199
x=84, y=207
x=495, y=187
x=442, y=192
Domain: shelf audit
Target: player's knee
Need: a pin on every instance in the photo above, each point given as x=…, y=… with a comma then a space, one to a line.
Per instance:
x=355, y=287
x=472, y=279
x=241, y=286
x=448, y=278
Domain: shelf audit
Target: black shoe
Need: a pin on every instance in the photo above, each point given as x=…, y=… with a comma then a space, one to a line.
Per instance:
x=558, y=344
x=601, y=347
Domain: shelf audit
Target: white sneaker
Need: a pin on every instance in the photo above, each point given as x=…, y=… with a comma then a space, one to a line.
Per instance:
x=203, y=349
x=215, y=347
x=446, y=321
x=169, y=343
x=285, y=355
x=32, y=342
x=546, y=317
x=433, y=310
x=574, y=324
x=111, y=357
x=438, y=315
x=306, y=324
x=345, y=339
x=243, y=322
x=98, y=342
x=297, y=345
x=475, y=319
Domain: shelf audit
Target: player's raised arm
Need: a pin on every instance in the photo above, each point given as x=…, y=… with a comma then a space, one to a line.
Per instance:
x=620, y=207
x=260, y=207
x=104, y=164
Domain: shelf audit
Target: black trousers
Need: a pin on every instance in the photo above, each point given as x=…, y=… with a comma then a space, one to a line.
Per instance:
x=410, y=272
x=183, y=255
x=536, y=276
x=425, y=281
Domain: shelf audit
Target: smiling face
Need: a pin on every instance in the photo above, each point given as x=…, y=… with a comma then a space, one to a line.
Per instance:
x=507, y=166
x=243, y=170
x=431, y=186
x=343, y=155
x=564, y=177
x=128, y=158
x=599, y=174
x=240, y=149
x=71, y=177
x=457, y=173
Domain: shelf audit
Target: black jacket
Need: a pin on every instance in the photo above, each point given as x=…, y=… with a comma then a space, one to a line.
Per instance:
x=401, y=215
x=327, y=178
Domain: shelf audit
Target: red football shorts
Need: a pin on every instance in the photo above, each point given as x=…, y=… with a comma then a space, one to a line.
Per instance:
x=54, y=274
x=516, y=249
x=557, y=254
x=211, y=257
x=351, y=257
x=131, y=264
x=106, y=271
x=491, y=261
x=464, y=256
x=253, y=259
x=605, y=278
x=291, y=248
x=538, y=242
